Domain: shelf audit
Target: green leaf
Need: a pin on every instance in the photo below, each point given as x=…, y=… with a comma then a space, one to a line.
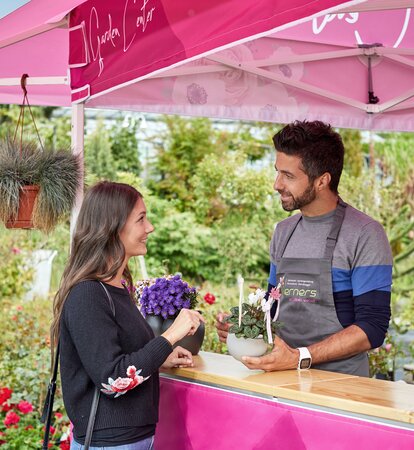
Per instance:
x=246, y=319
x=235, y=329
x=248, y=332
x=255, y=331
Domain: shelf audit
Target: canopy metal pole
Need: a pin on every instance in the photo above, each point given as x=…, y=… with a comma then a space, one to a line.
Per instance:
x=78, y=123
x=41, y=81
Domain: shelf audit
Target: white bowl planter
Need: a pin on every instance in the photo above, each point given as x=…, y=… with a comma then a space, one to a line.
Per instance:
x=239, y=347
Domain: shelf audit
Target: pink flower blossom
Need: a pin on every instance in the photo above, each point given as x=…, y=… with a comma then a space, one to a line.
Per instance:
x=122, y=385
x=388, y=347
x=11, y=419
x=25, y=407
x=16, y=250
x=58, y=415
x=275, y=294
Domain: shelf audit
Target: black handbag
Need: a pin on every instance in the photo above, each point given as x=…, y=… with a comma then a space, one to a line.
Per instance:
x=50, y=396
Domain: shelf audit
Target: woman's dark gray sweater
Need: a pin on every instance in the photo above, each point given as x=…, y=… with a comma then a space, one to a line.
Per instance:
x=96, y=345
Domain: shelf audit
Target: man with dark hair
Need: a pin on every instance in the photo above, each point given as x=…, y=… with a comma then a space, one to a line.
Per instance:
x=333, y=262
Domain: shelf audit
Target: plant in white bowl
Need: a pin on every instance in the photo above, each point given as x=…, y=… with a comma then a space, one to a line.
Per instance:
x=252, y=327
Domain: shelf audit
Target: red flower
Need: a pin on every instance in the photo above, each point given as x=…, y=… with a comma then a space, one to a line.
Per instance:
x=6, y=407
x=25, y=407
x=58, y=415
x=11, y=419
x=29, y=427
x=65, y=445
x=5, y=394
x=51, y=429
x=209, y=298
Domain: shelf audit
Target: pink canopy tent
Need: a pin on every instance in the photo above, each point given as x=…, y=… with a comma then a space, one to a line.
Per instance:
x=354, y=69
x=253, y=60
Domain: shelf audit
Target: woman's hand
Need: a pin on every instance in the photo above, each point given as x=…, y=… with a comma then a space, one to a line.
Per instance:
x=185, y=324
x=180, y=357
x=222, y=326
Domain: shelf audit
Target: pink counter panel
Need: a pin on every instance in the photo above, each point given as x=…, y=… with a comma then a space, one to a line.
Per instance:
x=197, y=417
x=197, y=412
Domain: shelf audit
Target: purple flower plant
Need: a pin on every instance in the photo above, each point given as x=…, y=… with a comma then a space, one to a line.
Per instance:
x=166, y=296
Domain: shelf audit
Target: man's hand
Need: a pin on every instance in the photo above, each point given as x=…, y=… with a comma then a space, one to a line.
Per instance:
x=180, y=357
x=222, y=327
x=282, y=357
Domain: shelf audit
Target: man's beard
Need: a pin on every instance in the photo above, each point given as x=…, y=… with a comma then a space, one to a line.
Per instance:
x=293, y=203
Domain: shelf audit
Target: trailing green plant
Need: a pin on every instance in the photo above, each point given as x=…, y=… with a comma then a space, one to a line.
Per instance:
x=56, y=172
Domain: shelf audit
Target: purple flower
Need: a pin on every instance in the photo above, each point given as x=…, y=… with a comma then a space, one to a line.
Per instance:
x=165, y=296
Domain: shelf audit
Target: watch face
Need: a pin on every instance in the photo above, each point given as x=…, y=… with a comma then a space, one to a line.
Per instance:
x=305, y=363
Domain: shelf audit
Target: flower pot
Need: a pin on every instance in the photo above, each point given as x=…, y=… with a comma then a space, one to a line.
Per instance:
x=239, y=347
x=389, y=376
x=27, y=198
x=191, y=343
x=155, y=322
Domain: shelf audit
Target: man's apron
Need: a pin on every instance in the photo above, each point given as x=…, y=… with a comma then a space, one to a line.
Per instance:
x=307, y=309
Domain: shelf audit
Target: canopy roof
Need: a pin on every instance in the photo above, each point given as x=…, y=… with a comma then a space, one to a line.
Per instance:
x=253, y=60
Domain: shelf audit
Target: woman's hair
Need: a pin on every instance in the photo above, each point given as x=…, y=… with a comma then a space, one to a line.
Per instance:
x=97, y=252
x=317, y=144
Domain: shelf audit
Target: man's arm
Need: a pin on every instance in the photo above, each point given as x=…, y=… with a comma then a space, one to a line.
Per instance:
x=371, y=282
x=345, y=343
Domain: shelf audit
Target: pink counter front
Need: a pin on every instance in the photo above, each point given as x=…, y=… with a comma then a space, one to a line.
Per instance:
x=221, y=405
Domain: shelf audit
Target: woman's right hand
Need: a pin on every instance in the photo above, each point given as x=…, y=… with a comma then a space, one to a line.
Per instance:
x=185, y=324
x=222, y=326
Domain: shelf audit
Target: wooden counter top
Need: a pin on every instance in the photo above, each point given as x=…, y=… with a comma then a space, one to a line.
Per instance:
x=382, y=399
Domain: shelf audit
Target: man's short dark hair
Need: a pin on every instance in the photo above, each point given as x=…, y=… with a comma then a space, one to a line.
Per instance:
x=320, y=148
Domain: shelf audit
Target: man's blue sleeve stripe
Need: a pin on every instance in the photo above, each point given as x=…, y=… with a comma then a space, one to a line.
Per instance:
x=272, y=275
x=363, y=279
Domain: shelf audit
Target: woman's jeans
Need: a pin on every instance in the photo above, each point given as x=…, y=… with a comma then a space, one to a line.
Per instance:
x=145, y=444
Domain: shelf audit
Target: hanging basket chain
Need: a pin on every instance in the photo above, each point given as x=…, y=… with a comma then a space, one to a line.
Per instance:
x=20, y=120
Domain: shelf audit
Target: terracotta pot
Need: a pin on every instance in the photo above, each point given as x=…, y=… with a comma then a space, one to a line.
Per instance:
x=239, y=347
x=27, y=198
x=191, y=343
x=155, y=322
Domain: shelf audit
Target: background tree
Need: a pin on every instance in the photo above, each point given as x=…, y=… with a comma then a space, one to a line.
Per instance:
x=124, y=146
x=354, y=155
x=99, y=161
x=180, y=148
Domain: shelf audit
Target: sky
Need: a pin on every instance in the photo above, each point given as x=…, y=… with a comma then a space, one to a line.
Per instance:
x=8, y=6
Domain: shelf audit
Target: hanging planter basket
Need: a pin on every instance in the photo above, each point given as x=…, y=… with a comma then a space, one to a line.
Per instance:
x=38, y=186
x=27, y=199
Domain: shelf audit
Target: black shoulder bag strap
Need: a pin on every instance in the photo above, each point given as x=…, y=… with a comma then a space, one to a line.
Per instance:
x=50, y=396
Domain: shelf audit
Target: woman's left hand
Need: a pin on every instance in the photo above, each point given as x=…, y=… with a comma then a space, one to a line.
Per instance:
x=180, y=357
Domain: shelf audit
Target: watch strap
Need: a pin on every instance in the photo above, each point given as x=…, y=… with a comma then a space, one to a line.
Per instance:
x=304, y=354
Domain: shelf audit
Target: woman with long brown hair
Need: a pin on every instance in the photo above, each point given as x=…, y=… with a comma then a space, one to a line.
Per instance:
x=104, y=340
